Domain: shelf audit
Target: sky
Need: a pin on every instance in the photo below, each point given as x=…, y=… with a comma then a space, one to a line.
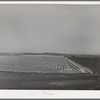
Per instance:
x=70, y=29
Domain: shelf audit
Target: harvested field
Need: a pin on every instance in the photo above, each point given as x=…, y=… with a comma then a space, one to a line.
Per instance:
x=45, y=72
x=43, y=64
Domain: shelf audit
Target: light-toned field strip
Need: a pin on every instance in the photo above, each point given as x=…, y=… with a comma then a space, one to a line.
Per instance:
x=73, y=67
x=46, y=64
x=68, y=68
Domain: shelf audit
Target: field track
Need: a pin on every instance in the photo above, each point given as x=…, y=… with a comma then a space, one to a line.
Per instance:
x=44, y=64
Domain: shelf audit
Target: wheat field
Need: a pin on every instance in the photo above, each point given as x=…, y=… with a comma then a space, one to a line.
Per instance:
x=43, y=64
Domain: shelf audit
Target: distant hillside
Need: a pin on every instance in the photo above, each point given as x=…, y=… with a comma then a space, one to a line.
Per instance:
x=90, y=61
x=54, y=54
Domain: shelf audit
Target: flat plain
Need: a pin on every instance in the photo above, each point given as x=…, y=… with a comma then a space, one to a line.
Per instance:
x=47, y=72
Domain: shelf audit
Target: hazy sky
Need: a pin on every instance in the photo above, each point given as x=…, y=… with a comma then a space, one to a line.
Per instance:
x=50, y=28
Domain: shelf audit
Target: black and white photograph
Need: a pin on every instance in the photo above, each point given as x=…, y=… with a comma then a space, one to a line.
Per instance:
x=49, y=47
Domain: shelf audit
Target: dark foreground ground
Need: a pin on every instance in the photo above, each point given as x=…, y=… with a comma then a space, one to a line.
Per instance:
x=18, y=80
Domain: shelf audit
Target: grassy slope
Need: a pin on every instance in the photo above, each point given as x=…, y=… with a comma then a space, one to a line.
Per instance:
x=11, y=80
